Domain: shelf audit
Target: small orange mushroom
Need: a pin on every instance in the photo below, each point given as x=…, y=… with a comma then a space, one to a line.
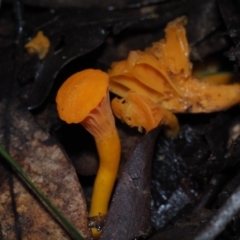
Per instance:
x=83, y=98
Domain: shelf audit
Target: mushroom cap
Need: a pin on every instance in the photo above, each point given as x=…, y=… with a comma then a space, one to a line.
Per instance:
x=80, y=94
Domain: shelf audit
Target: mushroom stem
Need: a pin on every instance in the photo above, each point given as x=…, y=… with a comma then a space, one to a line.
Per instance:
x=101, y=124
x=109, y=148
x=109, y=160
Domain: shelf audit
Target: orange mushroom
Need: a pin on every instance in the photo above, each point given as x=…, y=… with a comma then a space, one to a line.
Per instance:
x=83, y=98
x=163, y=73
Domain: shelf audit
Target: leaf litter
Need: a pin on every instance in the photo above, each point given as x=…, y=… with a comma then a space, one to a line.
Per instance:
x=197, y=159
x=48, y=167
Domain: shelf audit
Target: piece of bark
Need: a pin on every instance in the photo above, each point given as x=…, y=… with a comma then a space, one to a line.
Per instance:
x=22, y=216
x=129, y=213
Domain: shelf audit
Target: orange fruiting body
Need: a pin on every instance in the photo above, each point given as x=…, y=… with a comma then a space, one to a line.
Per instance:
x=83, y=98
x=163, y=74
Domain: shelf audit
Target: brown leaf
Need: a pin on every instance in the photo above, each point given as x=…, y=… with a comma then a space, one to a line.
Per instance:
x=129, y=214
x=47, y=166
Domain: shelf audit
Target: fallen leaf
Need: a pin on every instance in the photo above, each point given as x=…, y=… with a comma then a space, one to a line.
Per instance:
x=45, y=163
x=129, y=213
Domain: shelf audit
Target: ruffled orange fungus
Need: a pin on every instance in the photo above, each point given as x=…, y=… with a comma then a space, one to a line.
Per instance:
x=162, y=74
